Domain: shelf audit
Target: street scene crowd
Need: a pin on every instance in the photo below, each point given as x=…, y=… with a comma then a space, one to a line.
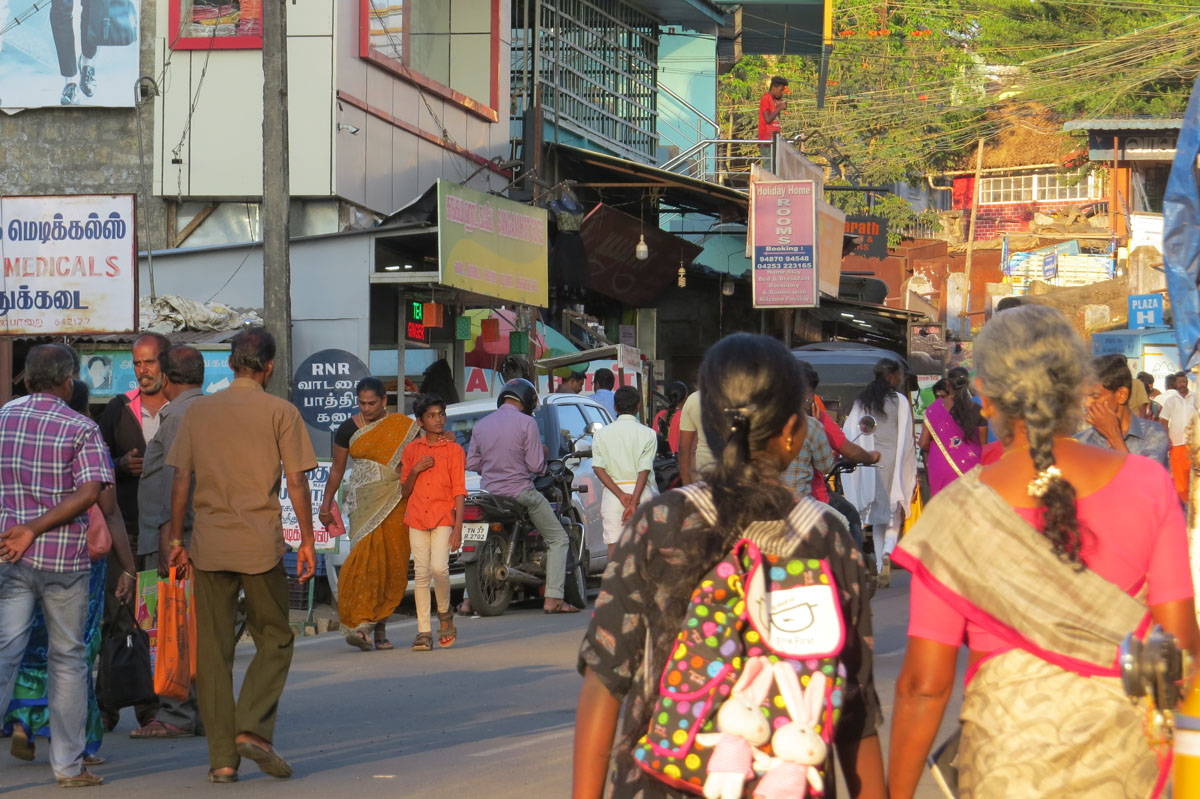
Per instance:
x=744, y=592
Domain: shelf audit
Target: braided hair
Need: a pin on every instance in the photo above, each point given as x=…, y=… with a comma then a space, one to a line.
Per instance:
x=750, y=386
x=964, y=411
x=1033, y=367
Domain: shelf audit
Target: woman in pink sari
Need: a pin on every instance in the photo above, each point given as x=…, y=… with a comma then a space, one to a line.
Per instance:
x=953, y=433
x=1040, y=563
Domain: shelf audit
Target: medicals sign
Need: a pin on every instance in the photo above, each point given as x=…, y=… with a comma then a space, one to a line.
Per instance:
x=784, y=262
x=69, y=265
x=492, y=246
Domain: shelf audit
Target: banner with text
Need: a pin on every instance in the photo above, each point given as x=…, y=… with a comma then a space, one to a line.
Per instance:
x=784, y=272
x=70, y=265
x=110, y=372
x=67, y=53
x=317, y=479
x=492, y=246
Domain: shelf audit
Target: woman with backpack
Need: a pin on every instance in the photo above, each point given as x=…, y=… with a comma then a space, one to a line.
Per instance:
x=680, y=637
x=1041, y=563
x=954, y=432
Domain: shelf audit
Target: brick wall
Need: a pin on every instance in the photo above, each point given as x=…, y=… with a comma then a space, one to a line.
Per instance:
x=996, y=219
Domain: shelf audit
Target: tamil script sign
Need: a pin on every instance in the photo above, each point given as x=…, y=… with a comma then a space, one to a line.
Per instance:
x=70, y=265
x=492, y=246
x=317, y=479
x=110, y=372
x=324, y=388
x=784, y=273
x=41, y=42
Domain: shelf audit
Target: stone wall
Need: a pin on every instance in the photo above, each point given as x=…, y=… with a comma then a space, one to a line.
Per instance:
x=84, y=150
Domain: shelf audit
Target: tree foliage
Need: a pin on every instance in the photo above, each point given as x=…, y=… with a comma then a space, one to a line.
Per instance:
x=912, y=85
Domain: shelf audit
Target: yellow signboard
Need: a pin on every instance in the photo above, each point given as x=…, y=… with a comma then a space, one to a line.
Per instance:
x=492, y=246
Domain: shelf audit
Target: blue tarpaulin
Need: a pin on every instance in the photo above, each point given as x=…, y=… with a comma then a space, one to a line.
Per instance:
x=1181, y=235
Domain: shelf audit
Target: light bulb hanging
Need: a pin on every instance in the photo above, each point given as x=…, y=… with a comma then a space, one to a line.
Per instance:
x=641, y=251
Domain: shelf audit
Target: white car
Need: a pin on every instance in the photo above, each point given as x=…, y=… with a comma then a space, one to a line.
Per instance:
x=562, y=419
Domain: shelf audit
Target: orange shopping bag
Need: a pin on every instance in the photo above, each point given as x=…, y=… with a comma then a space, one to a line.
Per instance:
x=175, y=664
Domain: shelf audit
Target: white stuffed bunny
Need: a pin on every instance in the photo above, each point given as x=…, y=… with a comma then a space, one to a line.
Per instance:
x=799, y=750
x=742, y=726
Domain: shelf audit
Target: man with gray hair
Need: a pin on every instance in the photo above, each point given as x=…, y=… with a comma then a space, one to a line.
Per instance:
x=234, y=442
x=53, y=466
x=183, y=376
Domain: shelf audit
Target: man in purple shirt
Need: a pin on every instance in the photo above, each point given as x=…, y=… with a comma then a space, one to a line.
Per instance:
x=53, y=465
x=506, y=450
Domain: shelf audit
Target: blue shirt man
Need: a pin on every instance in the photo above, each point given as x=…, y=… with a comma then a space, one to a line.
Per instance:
x=604, y=381
x=1112, y=425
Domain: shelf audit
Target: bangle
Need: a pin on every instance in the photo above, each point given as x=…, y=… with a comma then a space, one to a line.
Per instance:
x=130, y=575
x=175, y=542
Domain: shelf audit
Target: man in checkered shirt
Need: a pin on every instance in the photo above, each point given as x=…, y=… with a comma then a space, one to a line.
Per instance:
x=53, y=465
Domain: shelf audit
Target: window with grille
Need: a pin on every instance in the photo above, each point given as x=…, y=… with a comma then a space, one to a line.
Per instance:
x=1036, y=187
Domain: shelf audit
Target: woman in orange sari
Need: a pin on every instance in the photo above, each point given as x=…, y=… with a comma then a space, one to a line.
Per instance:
x=375, y=575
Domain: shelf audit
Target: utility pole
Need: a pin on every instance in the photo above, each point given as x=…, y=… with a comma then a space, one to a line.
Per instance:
x=277, y=282
x=964, y=318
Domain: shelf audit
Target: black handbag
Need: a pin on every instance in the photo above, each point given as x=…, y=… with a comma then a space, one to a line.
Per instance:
x=125, y=677
x=112, y=23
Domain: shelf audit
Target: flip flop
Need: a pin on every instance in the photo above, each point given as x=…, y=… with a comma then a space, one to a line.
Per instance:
x=359, y=640
x=560, y=608
x=216, y=778
x=83, y=779
x=22, y=747
x=267, y=759
x=158, y=729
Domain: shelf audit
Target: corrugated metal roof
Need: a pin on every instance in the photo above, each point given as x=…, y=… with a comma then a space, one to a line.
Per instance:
x=193, y=337
x=1139, y=123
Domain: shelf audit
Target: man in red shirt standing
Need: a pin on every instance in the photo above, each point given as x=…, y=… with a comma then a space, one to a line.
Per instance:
x=769, y=108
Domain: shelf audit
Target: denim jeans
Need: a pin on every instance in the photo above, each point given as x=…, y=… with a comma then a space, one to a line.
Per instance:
x=543, y=518
x=64, y=601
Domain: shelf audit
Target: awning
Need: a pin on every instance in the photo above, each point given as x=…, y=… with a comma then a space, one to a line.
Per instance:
x=610, y=238
x=625, y=183
x=866, y=322
x=697, y=15
x=628, y=358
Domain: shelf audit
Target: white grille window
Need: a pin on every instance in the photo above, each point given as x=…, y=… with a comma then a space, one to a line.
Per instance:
x=1036, y=187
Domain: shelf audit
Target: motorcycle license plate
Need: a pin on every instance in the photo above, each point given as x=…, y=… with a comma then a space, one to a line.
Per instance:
x=474, y=532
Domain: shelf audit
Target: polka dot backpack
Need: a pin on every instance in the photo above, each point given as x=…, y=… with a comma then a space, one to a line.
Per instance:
x=749, y=698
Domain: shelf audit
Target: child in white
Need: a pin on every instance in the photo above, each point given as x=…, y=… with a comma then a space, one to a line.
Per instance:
x=623, y=457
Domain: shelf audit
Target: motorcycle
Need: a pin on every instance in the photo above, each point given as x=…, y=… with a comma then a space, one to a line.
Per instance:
x=834, y=481
x=505, y=555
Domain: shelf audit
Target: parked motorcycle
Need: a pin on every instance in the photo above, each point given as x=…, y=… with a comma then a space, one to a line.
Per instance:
x=505, y=555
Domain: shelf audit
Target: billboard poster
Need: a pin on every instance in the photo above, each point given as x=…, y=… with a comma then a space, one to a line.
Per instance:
x=317, y=479
x=784, y=265
x=492, y=246
x=110, y=372
x=68, y=53
x=873, y=236
x=70, y=265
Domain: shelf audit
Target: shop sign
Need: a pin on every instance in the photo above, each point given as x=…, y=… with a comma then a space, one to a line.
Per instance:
x=784, y=264
x=317, y=479
x=415, y=331
x=110, y=372
x=492, y=246
x=70, y=265
x=1050, y=266
x=324, y=388
x=873, y=235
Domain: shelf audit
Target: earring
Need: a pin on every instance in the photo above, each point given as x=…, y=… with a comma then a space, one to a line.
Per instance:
x=789, y=444
x=985, y=412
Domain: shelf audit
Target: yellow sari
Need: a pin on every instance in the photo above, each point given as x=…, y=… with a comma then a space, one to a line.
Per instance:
x=375, y=575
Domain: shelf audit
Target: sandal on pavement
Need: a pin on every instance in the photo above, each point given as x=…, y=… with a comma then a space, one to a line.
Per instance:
x=159, y=729
x=22, y=748
x=267, y=759
x=423, y=642
x=561, y=607
x=358, y=639
x=464, y=610
x=94, y=760
x=381, y=641
x=447, y=632
x=84, y=779
x=217, y=778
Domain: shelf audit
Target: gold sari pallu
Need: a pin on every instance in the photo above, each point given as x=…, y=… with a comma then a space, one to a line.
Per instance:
x=1046, y=718
x=374, y=577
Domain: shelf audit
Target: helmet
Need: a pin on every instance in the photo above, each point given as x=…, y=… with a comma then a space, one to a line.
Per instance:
x=521, y=389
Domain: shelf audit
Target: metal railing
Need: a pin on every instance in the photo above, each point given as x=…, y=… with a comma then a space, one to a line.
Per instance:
x=723, y=161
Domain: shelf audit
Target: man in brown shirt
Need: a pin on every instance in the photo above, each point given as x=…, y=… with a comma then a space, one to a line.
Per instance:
x=238, y=442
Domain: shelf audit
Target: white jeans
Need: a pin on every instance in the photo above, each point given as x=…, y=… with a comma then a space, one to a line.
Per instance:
x=431, y=559
x=885, y=543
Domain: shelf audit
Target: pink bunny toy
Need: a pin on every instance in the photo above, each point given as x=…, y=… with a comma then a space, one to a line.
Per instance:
x=742, y=726
x=799, y=750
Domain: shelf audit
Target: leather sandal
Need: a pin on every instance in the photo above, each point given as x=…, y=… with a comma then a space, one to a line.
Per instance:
x=381, y=641
x=447, y=632
x=423, y=642
x=84, y=779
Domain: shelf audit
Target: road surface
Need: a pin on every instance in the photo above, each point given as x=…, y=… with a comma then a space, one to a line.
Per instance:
x=492, y=717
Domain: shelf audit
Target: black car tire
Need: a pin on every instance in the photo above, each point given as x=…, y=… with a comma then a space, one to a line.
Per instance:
x=489, y=596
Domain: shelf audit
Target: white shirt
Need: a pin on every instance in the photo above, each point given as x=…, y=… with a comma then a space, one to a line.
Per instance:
x=624, y=449
x=1177, y=411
